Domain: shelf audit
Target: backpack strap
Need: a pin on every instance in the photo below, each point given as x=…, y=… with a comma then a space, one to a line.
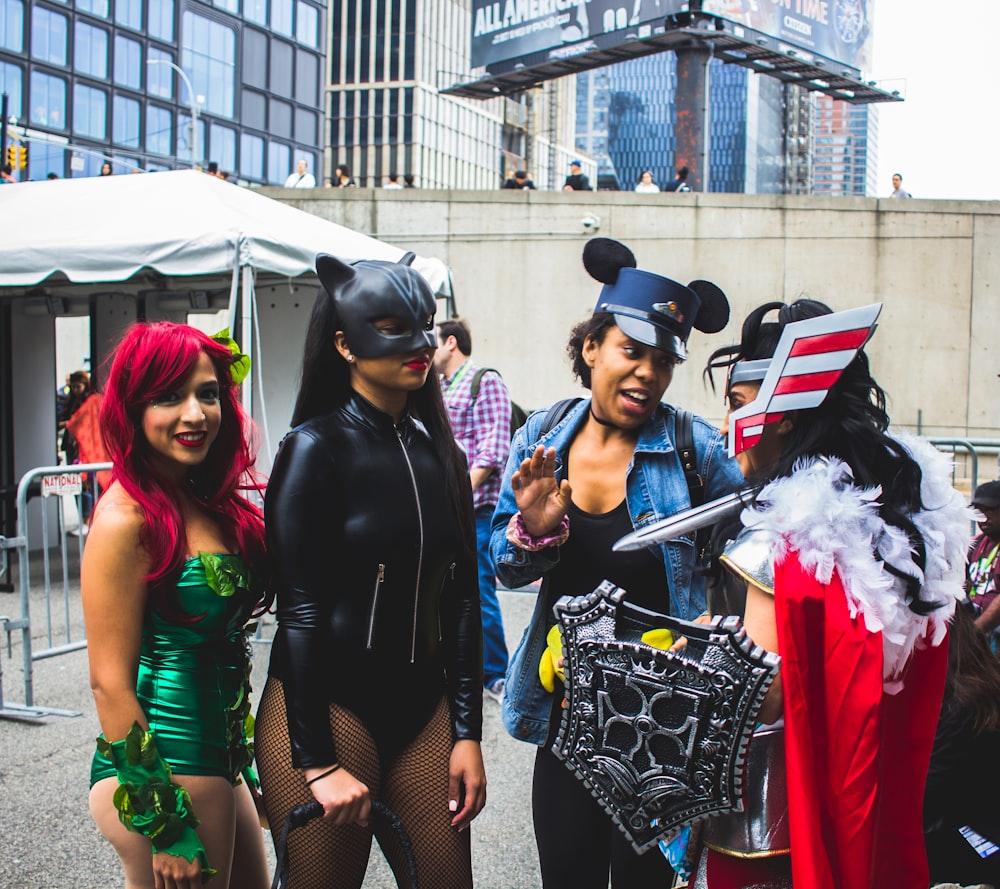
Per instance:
x=684, y=434
x=556, y=414
x=477, y=379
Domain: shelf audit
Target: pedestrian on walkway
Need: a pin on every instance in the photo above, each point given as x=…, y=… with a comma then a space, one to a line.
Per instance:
x=480, y=418
x=375, y=681
x=171, y=573
x=570, y=490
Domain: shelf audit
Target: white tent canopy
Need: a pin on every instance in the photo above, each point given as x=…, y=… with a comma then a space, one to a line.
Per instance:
x=107, y=229
x=176, y=241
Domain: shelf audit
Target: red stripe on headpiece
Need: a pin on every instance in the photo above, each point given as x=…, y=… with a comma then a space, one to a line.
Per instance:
x=830, y=342
x=807, y=382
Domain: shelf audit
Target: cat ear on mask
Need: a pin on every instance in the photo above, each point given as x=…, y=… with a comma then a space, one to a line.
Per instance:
x=333, y=273
x=407, y=258
x=713, y=314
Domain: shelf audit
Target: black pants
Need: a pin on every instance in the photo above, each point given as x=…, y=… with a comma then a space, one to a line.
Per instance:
x=578, y=842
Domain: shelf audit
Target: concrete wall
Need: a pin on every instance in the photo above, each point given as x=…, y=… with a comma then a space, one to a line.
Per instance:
x=519, y=281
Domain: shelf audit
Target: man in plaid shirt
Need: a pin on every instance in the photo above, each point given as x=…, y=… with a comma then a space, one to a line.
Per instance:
x=482, y=429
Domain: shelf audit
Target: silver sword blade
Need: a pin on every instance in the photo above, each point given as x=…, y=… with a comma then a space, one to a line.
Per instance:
x=682, y=523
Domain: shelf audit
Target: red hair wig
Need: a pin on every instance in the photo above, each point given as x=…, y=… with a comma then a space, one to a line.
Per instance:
x=150, y=361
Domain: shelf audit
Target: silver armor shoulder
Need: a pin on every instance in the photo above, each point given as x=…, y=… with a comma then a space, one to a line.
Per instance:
x=751, y=557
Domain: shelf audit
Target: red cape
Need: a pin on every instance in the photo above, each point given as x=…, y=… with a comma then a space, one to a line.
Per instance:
x=85, y=424
x=857, y=757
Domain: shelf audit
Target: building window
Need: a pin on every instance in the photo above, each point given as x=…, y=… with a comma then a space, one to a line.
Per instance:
x=307, y=24
x=208, y=54
x=222, y=141
x=12, y=25
x=161, y=20
x=251, y=156
x=48, y=100
x=97, y=8
x=279, y=162
x=129, y=13
x=281, y=19
x=160, y=78
x=125, y=122
x=128, y=62
x=11, y=79
x=232, y=6
x=307, y=78
x=255, y=11
x=44, y=159
x=159, y=130
x=49, y=36
x=90, y=112
x=90, y=50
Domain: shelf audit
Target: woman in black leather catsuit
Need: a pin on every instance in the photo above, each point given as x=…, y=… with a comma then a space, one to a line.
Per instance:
x=375, y=686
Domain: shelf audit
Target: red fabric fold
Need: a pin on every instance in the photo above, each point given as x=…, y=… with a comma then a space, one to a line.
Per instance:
x=857, y=758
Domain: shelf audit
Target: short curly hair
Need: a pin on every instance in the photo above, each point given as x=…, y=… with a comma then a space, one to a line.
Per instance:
x=595, y=327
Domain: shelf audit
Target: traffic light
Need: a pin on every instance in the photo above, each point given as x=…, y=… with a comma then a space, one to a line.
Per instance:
x=17, y=156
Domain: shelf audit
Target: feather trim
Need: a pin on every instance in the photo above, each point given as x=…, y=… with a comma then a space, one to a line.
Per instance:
x=832, y=525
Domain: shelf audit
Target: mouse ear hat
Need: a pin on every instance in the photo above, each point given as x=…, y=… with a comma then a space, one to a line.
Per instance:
x=650, y=308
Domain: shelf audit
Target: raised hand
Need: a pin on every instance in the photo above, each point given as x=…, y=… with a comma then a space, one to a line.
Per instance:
x=542, y=500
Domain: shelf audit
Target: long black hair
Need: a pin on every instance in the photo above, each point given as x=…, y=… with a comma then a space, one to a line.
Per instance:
x=325, y=384
x=850, y=425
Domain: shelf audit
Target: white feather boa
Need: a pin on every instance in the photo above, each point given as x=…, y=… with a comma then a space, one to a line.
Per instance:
x=830, y=524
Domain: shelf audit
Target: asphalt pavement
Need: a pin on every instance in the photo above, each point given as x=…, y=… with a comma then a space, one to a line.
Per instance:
x=48, y=840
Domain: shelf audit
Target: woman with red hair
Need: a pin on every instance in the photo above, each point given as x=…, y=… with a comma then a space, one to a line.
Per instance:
x=171, y=573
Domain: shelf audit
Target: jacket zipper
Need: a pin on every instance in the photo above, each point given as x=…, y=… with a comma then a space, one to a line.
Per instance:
x=420, y=551
x=379, y=577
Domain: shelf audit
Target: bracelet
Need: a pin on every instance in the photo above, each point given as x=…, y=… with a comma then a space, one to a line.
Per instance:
x=329, y=771
x=519, y=536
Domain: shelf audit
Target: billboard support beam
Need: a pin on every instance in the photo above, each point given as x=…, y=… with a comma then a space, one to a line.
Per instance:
x=692, y=125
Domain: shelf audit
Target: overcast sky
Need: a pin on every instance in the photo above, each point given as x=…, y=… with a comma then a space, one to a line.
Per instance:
x=945, y=138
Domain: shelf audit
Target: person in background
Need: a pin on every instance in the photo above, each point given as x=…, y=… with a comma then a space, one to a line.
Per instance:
x=393, y=183
x=375, y=683
x=7, y=175
x=568, y=493
x=481, y=423
x=172, y=570
x=409, y=180
x=984, y=564
x=342, y=177
x=679, y=182
x=519, y=180
x=576, y=180
x=301, y=178
x=897, y=187
x=106, y=169
x=646, y=185
x=960, y=800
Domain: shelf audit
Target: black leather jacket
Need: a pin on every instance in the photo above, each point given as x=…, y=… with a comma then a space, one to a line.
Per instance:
x=377, y=600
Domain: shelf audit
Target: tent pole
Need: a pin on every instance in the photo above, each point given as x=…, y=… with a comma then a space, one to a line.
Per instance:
x=246, y=334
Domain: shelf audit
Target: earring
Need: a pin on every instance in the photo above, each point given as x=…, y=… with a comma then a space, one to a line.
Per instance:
x=350, y=357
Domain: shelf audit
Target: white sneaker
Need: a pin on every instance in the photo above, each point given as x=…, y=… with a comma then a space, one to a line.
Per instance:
x=495, y=690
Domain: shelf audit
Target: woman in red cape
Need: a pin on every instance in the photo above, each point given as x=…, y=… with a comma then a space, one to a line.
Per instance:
x=851, y=550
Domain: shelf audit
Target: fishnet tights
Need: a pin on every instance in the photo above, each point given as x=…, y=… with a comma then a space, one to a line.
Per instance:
x=414, y=785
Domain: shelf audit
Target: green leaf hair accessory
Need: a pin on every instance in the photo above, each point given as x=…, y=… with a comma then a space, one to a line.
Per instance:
x=148, y=802
x=240, y=367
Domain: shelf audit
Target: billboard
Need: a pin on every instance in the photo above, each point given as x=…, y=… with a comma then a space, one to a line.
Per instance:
x=503, y=30
x=838, y=29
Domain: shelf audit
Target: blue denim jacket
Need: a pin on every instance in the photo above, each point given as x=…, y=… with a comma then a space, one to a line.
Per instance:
x=655, y=488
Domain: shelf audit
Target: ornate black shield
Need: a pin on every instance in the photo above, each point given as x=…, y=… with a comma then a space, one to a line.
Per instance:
x=658, y=737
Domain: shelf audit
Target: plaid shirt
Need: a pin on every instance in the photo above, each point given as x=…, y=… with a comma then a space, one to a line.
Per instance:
x=482, y=427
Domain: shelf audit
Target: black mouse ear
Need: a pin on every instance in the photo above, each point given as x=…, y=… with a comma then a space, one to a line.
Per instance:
x=604, y=258
x=332, y=271
x=713, y=314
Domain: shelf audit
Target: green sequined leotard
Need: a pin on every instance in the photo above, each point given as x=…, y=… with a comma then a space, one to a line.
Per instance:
x=194, y=672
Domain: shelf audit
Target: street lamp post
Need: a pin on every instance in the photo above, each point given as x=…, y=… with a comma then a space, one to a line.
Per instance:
x=193, y=104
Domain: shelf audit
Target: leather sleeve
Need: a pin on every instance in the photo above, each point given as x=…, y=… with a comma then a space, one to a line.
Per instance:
x=462, y=643
x=300, y=542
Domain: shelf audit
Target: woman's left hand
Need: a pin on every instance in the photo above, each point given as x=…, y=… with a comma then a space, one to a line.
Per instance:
x=466, y=783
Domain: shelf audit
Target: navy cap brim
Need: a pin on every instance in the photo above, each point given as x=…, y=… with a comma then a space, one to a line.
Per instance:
x=650, y=334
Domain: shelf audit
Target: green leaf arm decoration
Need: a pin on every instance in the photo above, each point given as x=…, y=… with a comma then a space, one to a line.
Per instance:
x=148, y=802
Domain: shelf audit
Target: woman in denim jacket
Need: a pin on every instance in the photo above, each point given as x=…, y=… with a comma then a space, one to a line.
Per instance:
x=607, y=467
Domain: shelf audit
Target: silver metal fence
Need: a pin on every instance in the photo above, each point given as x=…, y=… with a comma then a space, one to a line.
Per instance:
x=60, y=596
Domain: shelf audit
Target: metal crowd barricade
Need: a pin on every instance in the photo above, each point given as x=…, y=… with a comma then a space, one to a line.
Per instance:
x=57, y=482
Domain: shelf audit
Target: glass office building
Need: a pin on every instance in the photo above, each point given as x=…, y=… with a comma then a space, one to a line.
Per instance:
x=94, y=80
x=845, y=147
x=760, y=130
